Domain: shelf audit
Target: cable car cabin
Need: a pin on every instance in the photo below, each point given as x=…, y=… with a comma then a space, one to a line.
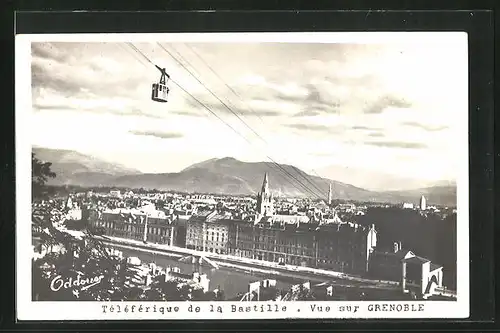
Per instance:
x=160, y=90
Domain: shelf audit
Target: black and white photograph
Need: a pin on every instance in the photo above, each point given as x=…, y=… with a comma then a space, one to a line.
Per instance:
x=242, y=176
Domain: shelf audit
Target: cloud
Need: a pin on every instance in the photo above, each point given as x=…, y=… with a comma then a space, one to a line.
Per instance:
x=376, y=135
x=307, y=98
x=188, y=113
x=424, y=127
x=384, y=102
x=365, y=128
x=307, y=113
x=393, y=144
x=157, y=134
x=315, y=96
x=48, y=51
x=359, y=80
x=285, y=93
x=42, y=77
x=75, y=105
x=220, y=109
x=311, y=127
x=373, y=132
x=56, y=66
x=253, y=112
x=138, y=112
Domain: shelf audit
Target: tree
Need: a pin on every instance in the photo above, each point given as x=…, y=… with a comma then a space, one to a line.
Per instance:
x=40, y=174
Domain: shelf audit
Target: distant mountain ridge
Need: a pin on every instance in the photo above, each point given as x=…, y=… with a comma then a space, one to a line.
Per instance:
x=73, y=168
x=226, y=176
x=378, y=181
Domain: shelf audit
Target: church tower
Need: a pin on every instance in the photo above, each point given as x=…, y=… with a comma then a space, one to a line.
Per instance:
x=265, y=204
x=69, y=203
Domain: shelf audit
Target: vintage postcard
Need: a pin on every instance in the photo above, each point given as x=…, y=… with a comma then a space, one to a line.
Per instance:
x=242, y=176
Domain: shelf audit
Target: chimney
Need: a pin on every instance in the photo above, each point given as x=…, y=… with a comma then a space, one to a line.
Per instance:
x=148, y=280
x=204, y=282
x=396, y=247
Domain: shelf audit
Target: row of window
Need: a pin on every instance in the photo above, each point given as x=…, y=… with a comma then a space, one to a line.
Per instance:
x=159, y=231
x=210, y=236
x=250, y=231
x=244, y=246
x=139, y=229
x=290, y=259
x=122, y=227
x=207, y=243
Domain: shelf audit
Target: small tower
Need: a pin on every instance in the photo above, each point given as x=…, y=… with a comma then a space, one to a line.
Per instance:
x=69, y=203
x=265, y=204
x=330, y=194
x=423, y=203
x=371, y=245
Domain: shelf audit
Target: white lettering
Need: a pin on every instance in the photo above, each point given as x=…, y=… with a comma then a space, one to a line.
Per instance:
x=58, y=282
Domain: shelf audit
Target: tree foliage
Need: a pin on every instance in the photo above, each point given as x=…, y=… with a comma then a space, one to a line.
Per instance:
x=40, y=174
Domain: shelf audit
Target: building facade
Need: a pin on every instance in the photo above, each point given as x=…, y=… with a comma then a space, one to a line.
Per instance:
x=291, y=240
x=208, y=231
x=415, y=274
x=421, y=276
x=388, y=265
x=152, y=227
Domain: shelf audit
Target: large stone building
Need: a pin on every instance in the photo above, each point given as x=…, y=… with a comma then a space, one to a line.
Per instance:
x=208, y=231
x=144, y=225
x=296, y=240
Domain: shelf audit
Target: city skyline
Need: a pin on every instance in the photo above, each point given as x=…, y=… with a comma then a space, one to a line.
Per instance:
x=319, y=107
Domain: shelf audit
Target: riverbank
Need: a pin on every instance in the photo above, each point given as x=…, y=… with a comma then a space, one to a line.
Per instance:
x=250, y=265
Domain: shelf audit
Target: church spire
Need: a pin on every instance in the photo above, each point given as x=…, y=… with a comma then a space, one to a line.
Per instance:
x=265, y=185
x=265, y=205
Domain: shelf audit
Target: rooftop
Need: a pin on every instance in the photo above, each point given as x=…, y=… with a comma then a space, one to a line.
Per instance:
x=179, y=275
x=286, y=219
x=435, y=266
x=416, y=260
x=158, y=214
x=400, y=255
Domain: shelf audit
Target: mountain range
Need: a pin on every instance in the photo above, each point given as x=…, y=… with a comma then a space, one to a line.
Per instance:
x=376, y=180
x=227, y=176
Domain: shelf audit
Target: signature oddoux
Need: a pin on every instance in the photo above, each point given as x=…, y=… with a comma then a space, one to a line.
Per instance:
x=59, y=282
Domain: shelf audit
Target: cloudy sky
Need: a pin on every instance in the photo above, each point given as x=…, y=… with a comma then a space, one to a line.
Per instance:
x=391, y=109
